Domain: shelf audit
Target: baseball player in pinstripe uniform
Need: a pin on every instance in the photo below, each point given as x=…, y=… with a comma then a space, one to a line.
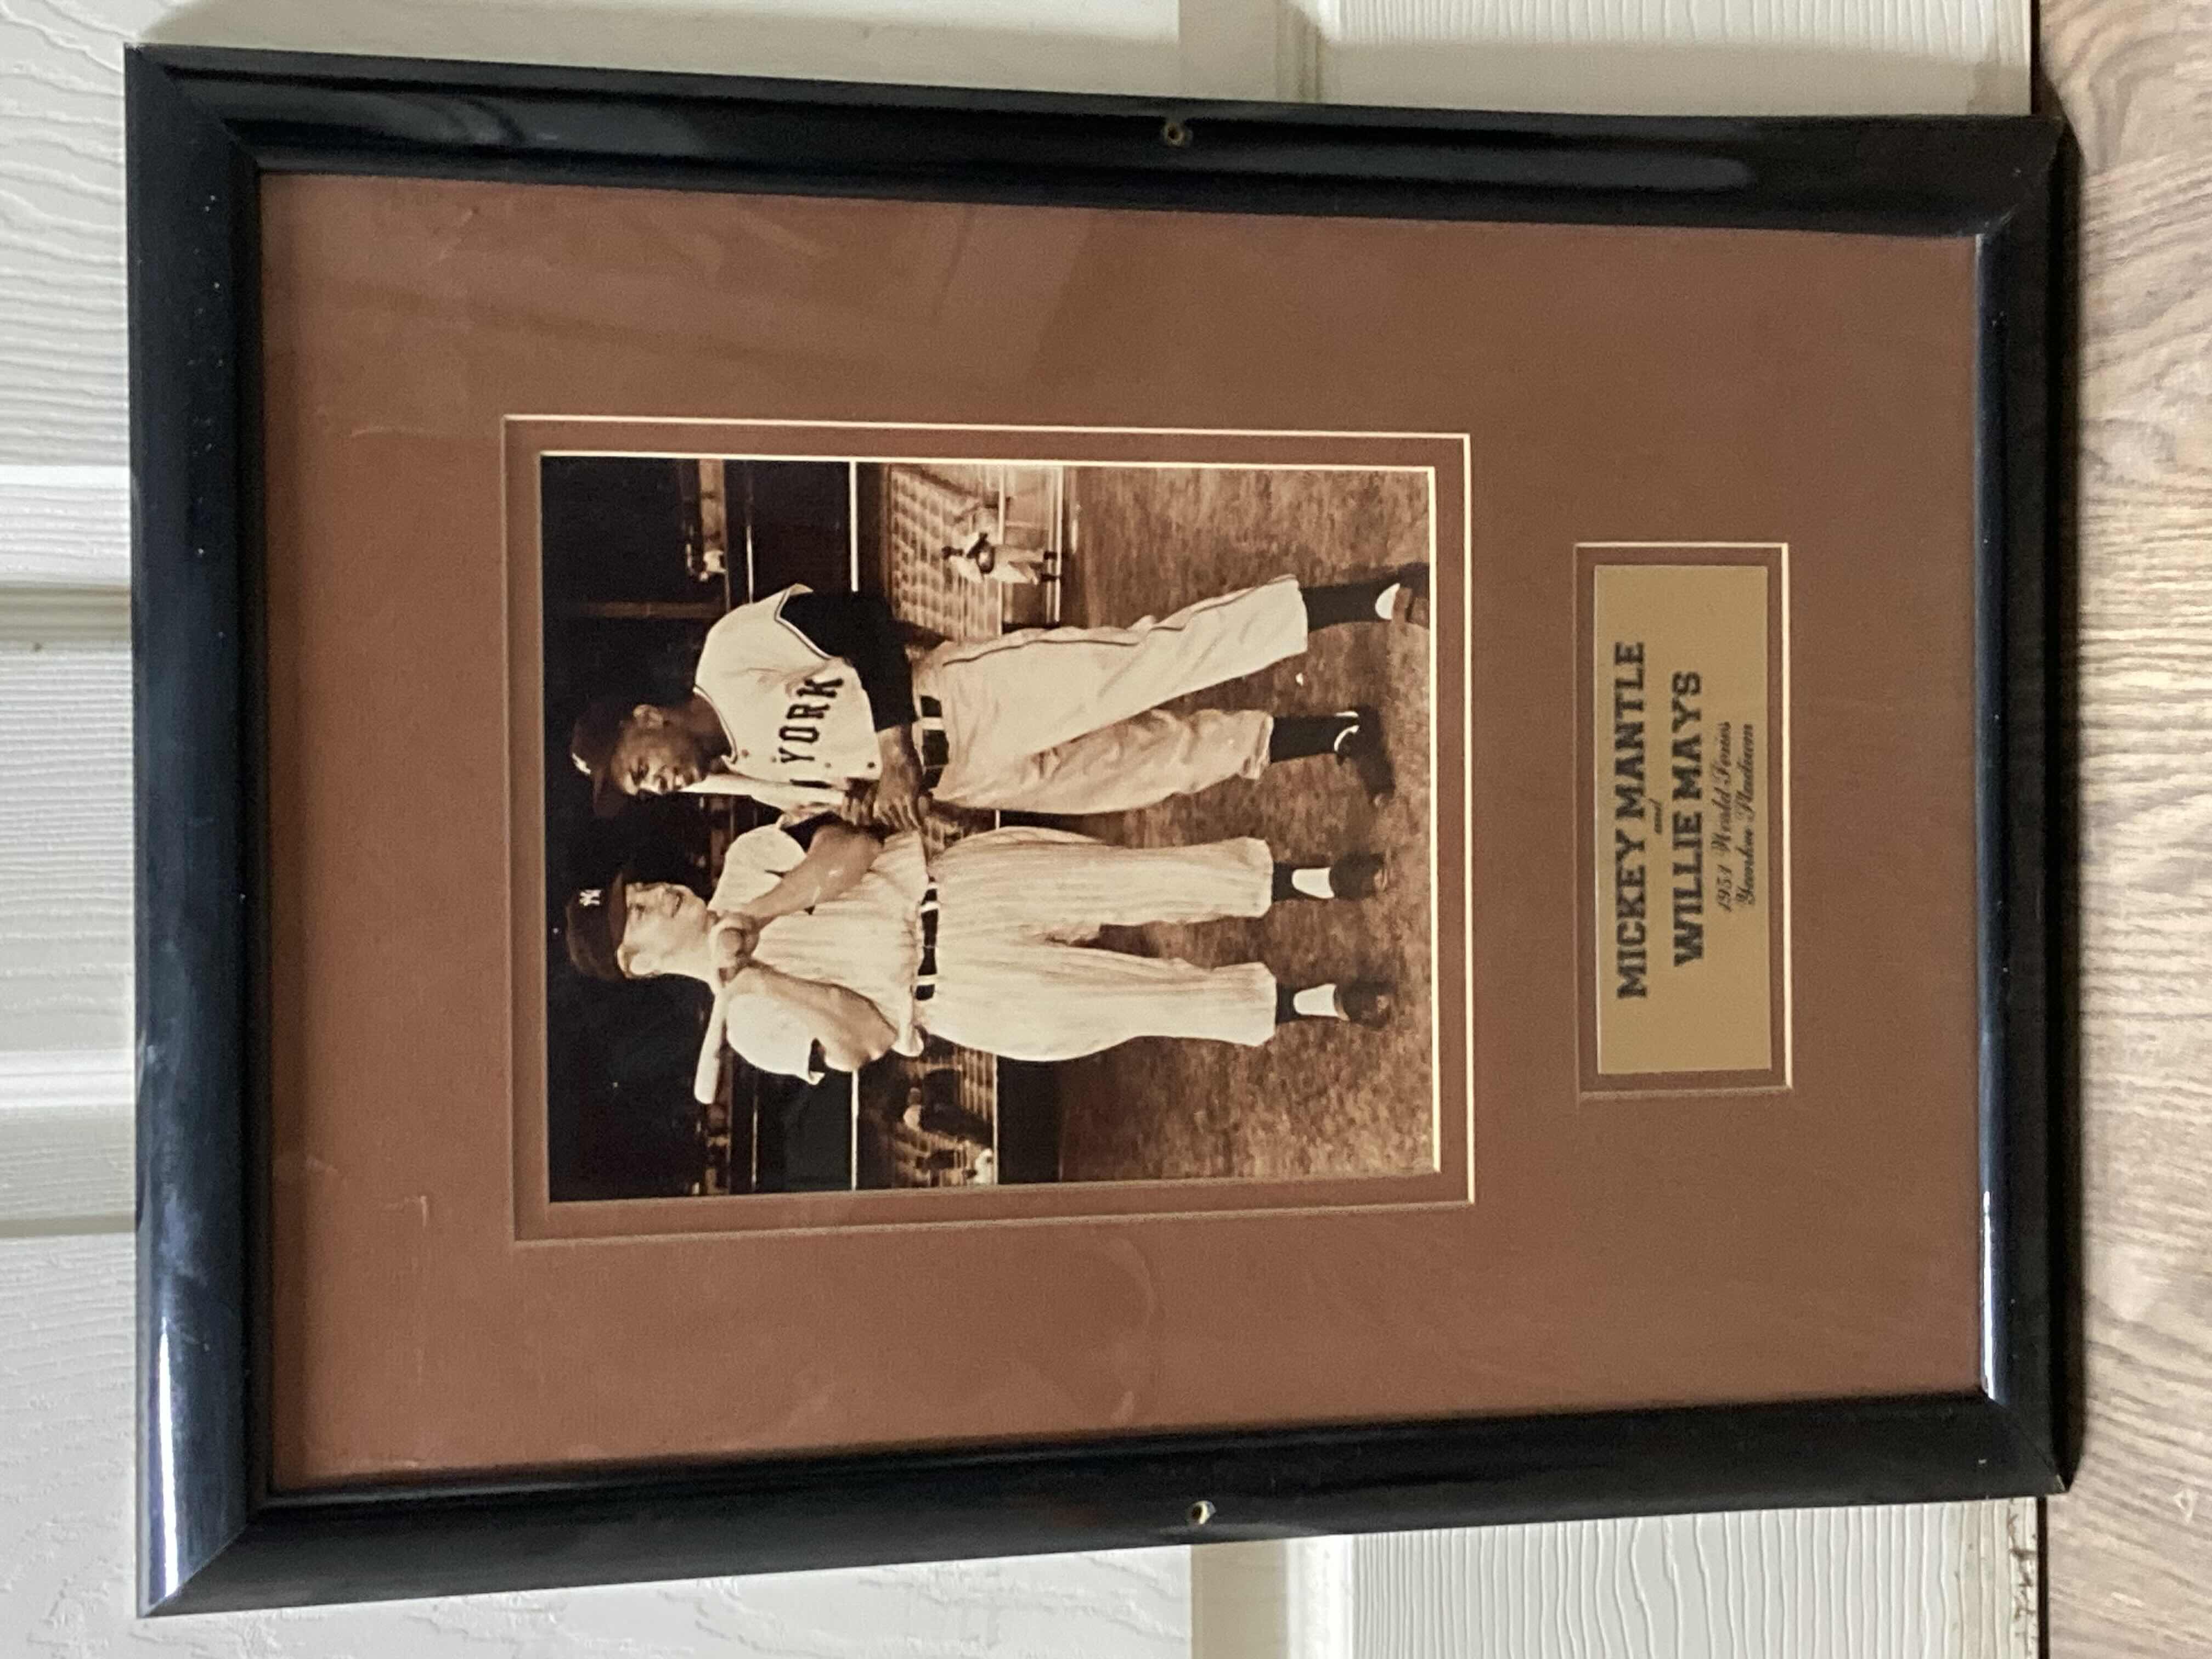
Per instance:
x=807, y=701
x=830, y=946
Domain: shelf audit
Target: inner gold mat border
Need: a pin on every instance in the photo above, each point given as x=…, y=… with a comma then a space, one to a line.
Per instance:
x=1449, y=1181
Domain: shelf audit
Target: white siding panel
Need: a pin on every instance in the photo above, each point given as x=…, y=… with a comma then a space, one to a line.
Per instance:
x=65, y=526
x=65, y=1142
x=61, y=228
x=1935, y=1580
x=64, y=836
x=1680, y=56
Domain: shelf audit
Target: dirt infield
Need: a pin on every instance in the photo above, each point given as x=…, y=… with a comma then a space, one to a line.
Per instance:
x=1320, y=1098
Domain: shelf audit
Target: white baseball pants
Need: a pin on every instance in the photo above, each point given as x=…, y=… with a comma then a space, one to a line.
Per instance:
x=1016, y=978
x=1067, y=720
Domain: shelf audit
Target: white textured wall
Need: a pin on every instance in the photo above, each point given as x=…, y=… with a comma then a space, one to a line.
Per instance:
x=66, y=1358
x=1934, y=1581
x=1682, y=56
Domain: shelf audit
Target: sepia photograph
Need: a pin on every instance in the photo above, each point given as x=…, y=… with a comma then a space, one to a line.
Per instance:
x=966, y=823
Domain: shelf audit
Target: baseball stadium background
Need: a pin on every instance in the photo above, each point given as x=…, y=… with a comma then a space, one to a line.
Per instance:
x=641, y=554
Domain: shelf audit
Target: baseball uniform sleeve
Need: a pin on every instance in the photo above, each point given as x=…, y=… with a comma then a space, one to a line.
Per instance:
x=859, y=628
x=796, y=801
x=769, y=1035
x=755, y=636
x=755, y=861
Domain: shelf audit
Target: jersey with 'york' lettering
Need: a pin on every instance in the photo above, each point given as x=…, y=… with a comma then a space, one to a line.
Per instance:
x=797, y=719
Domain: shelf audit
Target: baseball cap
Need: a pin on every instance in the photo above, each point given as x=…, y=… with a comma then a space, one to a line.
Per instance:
x=593, y=929
x=591, y=747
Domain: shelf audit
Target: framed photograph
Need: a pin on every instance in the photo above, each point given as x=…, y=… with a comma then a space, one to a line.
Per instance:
x=880, y=823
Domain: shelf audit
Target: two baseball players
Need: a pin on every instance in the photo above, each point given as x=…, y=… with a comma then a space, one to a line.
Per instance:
x=832, y=939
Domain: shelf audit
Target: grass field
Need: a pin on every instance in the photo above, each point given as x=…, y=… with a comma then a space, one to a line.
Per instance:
x=1321, y=1097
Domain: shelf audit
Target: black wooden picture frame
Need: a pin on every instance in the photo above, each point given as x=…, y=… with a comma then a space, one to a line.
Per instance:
x=204, y=127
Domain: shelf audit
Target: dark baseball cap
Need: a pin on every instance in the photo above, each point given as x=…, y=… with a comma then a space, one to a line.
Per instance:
x=591, y=747
x=593, y=929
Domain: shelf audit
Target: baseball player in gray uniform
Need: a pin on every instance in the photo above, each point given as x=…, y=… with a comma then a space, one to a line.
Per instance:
x=807, y=701
x=830, y=946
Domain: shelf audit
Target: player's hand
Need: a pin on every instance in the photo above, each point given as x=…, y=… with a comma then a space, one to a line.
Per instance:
x=897, y=798
x=732, y=938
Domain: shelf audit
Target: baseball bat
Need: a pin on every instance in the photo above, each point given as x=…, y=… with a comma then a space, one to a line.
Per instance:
x=707, y=1076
